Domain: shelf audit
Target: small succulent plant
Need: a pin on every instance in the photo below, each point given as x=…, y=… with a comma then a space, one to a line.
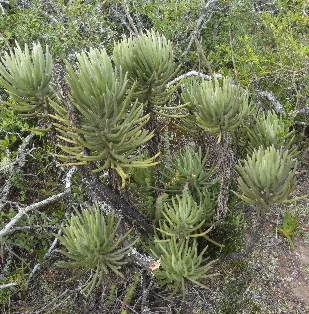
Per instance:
x=26, y=75
x=180, y=262
x=92, y=244
x=189, y=170
x=182, y=217
x=219, y=104
x=266, y=177
x=270, y=129
x=149, y=60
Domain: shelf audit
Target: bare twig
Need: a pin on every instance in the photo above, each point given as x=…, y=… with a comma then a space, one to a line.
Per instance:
x=193, y=73
x=8, y=285
x=271, y=97
x=38, y=205
x=129, y=18
x=201, y=22
x=20, y=161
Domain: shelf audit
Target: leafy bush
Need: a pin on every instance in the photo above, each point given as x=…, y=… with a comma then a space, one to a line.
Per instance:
x=266, y=177
x=92, y=244
x=189, y=171
x=149, y=60
x=183, y=217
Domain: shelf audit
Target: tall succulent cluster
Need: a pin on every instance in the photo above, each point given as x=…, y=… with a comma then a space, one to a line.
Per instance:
x=219, y=105
x=266, y=177
x=111, y=126
x=92, y=245
x=26, y=75
x=270, y=129
x=149, y=61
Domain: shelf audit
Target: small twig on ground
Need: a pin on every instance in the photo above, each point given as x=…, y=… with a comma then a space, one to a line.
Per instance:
x=20, y=161
x=38, y=205
x=8, y=285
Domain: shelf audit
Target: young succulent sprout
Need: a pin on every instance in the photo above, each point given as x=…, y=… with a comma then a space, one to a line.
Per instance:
x=266, y=177
x=26, y=75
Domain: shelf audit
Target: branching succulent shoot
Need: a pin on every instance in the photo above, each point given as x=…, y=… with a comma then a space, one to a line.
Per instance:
x=189, y=170
x=92, y=244
x=181, y=262
x=111, y=123
x=182, y=218
x=219, y=104
x=266, y=177
x=149, y=60
x=26, y=75
x=270, y=129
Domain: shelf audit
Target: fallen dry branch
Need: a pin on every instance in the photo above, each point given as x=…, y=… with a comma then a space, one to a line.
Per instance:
x=38, y=205
x=19, y=162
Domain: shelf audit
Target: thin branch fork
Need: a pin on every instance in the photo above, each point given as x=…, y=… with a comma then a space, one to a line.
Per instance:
x=20, y=161
x=193, y=73
x=38, y=205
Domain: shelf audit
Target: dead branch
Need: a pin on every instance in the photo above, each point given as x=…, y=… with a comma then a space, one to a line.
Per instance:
x=8, y=285
x=38, y=205
x=20, y=161
x=201, y=23
x=271, y=97
x=193, y=73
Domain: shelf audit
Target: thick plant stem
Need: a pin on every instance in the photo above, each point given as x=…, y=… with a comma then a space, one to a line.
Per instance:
x=226, y=165
x=113, y=200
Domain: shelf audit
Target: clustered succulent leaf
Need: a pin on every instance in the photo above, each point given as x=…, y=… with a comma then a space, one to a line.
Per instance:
x=182, y=218
x=219, y=104
x=267, y=177
x=149, y=60
x=92, y=244
x=181, y=262
x=189, y=170
x=110, y=121
x=270, y=129
x=26, y=75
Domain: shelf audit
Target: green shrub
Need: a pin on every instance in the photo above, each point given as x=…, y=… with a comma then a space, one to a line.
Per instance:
x=149, y=60
x=189, y=170
x=92, y=244
x=266, y=177
x=183, y=217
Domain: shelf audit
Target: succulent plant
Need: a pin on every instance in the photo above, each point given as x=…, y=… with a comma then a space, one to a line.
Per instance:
x=149, y=60
x=219, y=104
x=110, y=122
x=182, y=217
x=189, y=170
x=91, y=244
x=180, y=262
x=266, y=177
x=270, y=129
x=26, y=75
